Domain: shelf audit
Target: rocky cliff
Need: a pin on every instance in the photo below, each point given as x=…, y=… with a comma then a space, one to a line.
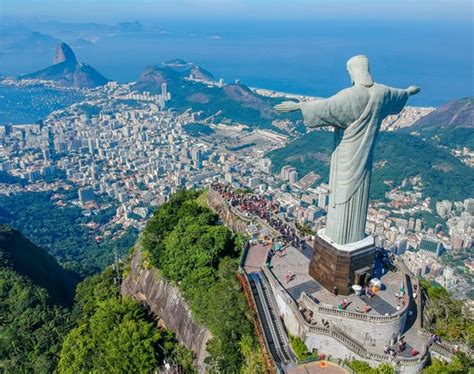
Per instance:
x=166, y=303
x=64, y=53
x=229, y=218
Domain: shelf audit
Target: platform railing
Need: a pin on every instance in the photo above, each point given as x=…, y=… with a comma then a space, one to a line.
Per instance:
x=338, y=334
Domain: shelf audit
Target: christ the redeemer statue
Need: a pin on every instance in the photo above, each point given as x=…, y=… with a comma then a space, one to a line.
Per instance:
x=356, y=114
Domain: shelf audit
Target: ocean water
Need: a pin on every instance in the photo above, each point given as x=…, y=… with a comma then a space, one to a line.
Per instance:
x=30, y=104
x=299, y=57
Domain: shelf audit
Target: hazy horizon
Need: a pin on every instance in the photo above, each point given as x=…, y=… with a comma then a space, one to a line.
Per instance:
x=298, y=47
x=117, y=10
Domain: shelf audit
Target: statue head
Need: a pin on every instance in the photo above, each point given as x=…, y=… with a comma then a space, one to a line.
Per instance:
x=359, y=70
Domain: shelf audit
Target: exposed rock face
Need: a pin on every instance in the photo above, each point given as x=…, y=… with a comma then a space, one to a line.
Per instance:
x=230, y=219
x=64, y=53
x=166, y=302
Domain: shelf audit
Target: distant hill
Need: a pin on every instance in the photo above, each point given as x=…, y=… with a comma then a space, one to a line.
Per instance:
x=81, y=42
x=451, y=125
x=134, y=26
x=397, y=156
x=34, y=41
x=68, y=72
x=188, y=69
x=26, y=259
x=235, y=102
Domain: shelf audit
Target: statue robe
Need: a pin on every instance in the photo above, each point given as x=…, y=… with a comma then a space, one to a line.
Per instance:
x=356, y=113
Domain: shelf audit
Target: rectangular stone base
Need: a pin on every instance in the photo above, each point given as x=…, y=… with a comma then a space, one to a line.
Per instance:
x=333, y=265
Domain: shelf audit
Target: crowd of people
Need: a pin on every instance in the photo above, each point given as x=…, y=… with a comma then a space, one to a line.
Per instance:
x=252, y=204
x=246, y=202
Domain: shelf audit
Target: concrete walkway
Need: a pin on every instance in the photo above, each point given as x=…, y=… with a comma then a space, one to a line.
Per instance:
x=256, y=257
x=319, y=367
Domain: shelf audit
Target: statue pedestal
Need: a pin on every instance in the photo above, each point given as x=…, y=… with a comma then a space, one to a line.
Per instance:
x=342, y=266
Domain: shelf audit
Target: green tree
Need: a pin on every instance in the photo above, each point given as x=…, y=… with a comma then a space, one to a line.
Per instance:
x=116, y=339
x=186, y=242
x=31, y=326
x=460, y=364
x=450, y=318
x=253, y=356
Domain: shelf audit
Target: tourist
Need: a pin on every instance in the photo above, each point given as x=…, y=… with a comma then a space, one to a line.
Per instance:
x=414, y=352
x=401, y=346
x=344, y=304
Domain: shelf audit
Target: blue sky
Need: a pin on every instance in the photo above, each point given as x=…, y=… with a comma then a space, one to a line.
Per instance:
x=113, y=10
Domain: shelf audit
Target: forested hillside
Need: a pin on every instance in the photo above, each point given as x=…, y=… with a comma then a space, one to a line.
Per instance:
x=115, y=334
x=185, y=241
x=102, y=332
x=33, y=321
x=451, y=125
x=235, y=102
x=62, y=231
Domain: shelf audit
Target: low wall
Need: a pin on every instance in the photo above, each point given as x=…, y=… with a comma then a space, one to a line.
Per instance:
x=334, y=341
x=371, y=330
x=166, y=302
x=237, y=223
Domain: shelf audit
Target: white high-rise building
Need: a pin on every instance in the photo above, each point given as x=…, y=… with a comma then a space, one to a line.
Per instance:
x=164, y=90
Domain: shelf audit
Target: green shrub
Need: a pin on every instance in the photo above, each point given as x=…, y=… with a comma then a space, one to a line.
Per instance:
x=299, y=347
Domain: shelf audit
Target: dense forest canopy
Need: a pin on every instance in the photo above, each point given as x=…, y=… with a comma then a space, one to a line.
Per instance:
x=116, y=334
x=185, y=241
x=33, y=320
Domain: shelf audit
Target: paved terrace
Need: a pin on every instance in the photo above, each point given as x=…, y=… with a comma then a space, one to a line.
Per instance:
x=317, y=368
x=297, y=263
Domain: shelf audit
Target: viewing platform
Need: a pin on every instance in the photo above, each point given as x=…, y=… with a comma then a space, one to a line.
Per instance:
x=382, y=328
x=296, y=263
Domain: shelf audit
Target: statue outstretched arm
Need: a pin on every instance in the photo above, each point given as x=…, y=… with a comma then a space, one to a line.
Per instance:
x=312, y=120
x=413, y=90
x=398, y=97
x=287, y=106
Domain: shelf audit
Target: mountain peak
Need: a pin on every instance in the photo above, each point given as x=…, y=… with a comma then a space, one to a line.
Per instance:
x=66, y=71
x=64, y=53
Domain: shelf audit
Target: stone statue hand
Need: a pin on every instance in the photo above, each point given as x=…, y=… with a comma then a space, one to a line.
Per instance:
x=287, y=106
x=413, y=90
